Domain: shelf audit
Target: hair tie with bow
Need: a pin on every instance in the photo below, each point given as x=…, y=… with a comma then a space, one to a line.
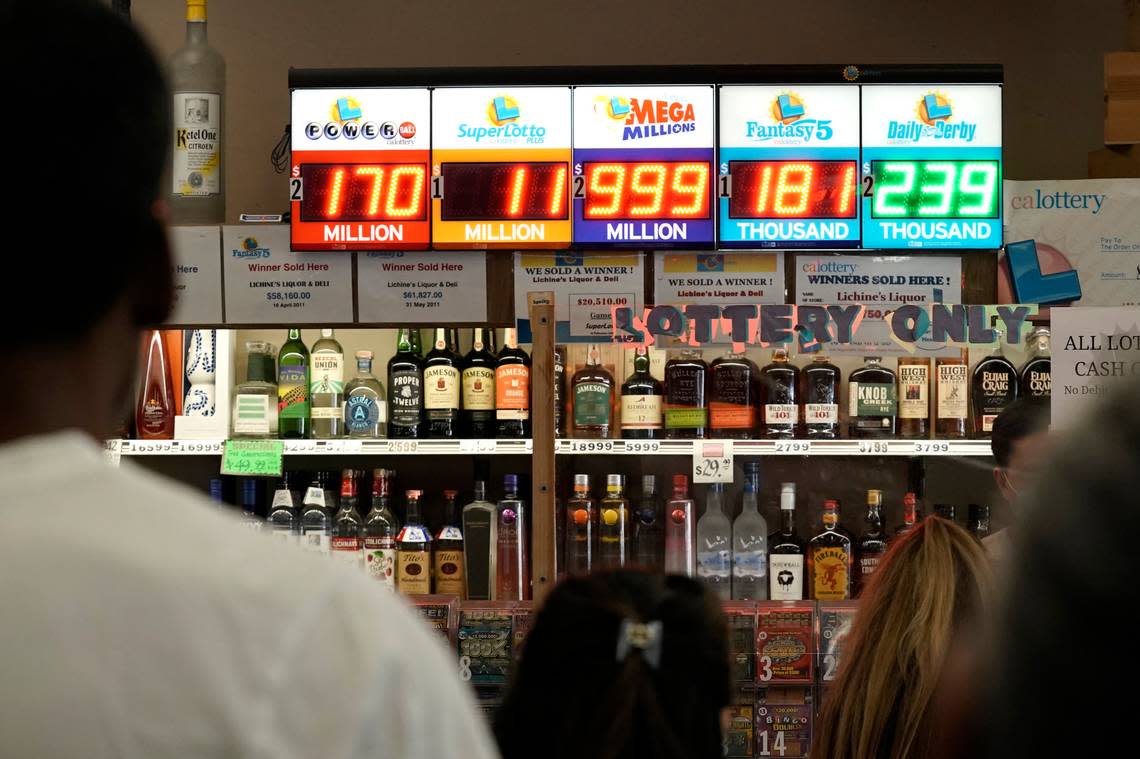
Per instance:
x=644, y=637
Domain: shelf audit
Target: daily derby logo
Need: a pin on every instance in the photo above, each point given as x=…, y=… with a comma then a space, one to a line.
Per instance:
x=789, y=123
x=346, y=120
x=934, y=119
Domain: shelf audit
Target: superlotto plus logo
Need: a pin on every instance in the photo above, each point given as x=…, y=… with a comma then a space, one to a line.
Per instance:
x=505, y=123
x=789, y=122
x=934, y=119
x=639, y=118
x=346, y=121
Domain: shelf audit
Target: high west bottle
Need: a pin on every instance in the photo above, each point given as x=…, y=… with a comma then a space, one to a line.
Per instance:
x=714, y=544
x=686, y=402
x=448, y=558
x=326, y=386
x=872, y=403
x=512, y=571
x=347, y=541
x=779, y=382
x=733, y=383
x=441, y=389
x=830, y=559
x=580, y=526
x=641, y=401
x=413, y=551
x=478, y=380
x=914, y=397
x=381, y=528
x=993, y=388
x=873, y=541
x=648, y=531
x=680, y=537
x=819, y=394
x=952, y=376
x=592, y=398
x=786, y=552
x=1037, y=372
x=512, y=389
x=405, y=389
x=613, y=525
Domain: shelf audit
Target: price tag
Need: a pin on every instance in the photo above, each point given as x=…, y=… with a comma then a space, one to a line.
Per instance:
x=712, y=461
x=591, y=446
x=874, y=446
x=402, y=446
x=793, y=446
x=642, y=446
x=253, y=458
x=477, y=446
x=932, y=447
x=112, y=450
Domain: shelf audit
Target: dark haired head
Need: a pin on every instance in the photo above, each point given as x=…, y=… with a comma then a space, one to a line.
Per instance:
x=1024, y=417
x=572, y=698
x=89, y=142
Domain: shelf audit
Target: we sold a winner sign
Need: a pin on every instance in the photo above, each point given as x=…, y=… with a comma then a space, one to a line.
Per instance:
x=813, y=328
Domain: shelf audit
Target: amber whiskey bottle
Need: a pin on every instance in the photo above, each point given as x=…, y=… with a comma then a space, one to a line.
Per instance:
x=732, y=396
x=952, y=407
x=914, y=397
x=872, y=405
x=779, y=385
x=686, y=399
x=592, y=398
x=819, y=395
x=994, y=387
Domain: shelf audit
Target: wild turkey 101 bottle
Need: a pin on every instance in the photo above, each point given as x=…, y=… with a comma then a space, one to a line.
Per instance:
x=820, y=398
x=779, y=381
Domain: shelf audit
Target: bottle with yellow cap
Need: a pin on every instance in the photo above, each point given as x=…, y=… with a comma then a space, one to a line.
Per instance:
x=613, y=525
x=198, y=82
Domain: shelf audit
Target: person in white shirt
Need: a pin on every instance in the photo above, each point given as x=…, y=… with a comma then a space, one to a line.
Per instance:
x=135, y=619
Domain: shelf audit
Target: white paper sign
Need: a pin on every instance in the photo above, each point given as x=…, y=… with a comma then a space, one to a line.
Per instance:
x=1091, y=226
x=422, y=287
x=1095, y=351
x=586, y=287
x=882, y=284
x=197, y=274
x=266, y=283
x=712, y=461
x=720, y=279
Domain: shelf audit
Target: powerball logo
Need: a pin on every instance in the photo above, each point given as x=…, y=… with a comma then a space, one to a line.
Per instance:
x=789, y=123
x=934, y=118
x=345, y=120
x=504, y=114
x=639, y=118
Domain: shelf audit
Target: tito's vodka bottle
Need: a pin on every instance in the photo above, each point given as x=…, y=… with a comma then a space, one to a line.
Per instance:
x=198, y=81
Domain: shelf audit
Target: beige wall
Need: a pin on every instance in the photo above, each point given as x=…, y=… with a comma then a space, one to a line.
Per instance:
x=1052, y=52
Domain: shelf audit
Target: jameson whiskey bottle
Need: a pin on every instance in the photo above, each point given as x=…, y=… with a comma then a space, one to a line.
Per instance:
x=405, y=389
x=914, y=397
x=994, y=387
x=830, y=559
x=293, y=387
x=198, y=81
x=641, y=401
x=820, y=397
x=686, y=404
x=1036, y=380
x=779, y=382
x=592, y=398
x=477, y=412
x=326, y=384
x=953, y=381
x=512, y=388
x=733, y=385
x=872, y=408
x=441, y=389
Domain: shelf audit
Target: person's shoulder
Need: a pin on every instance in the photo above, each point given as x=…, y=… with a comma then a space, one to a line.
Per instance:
x=997, y=545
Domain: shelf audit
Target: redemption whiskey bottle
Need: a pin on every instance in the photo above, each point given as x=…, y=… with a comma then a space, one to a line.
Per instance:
x=819, y=395
x=1036, y=375
x=873, y=406
x=441, y=389
x=592, y=398
x=641, y=401
x=910, y=515
x=914, y=397
x=952, y=377
x=994, y=387
x=779, y=382
x=478, y=379
x=512, y=388
x=830, y=559
x=732, y=396
x=686, y=404
x=405, y=389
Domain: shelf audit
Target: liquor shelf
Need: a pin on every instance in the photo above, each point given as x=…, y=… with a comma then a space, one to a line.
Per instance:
x=332, y=447
x=782, y=447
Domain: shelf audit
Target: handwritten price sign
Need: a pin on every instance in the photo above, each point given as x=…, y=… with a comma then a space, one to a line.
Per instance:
x=253, y=458
x=712, y=461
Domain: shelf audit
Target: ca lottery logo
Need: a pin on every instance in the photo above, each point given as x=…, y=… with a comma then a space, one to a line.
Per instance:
x=642, y=118
x=788, y=123
x=934, y=119
x=504, y=124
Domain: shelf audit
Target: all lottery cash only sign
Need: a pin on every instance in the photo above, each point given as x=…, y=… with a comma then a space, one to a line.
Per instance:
x=812, y=328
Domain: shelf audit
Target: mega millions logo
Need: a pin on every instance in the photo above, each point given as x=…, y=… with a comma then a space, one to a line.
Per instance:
x=504, y=114
x=789, y=123
x=934, y=119
x=642, y=118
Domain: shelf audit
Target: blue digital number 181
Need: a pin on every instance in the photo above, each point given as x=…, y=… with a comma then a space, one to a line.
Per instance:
x=935, y=189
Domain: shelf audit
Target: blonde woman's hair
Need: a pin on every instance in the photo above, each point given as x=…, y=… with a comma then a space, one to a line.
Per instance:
x=930, y=583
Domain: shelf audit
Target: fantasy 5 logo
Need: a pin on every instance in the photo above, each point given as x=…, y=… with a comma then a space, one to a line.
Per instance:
x=250, y=249
x=503, y=113
x=934, y=113
x=788, y=114
x=640, y=118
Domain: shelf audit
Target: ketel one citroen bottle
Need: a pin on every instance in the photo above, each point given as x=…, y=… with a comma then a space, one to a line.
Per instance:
x=413, y=558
